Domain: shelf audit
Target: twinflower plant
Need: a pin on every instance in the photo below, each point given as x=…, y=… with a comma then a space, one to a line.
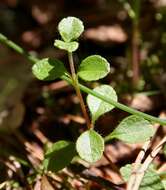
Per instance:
x=89, y=146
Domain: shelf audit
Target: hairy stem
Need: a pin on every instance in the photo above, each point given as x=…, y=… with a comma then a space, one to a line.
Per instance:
x=78, y=92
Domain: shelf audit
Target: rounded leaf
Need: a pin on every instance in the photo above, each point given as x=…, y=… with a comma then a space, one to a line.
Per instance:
x=59, y=155
x=93, y=68
x=133, y=129
x=68, y=46
x=97, y=106
x=90, y=146
x=70, y=28
x=48, y=69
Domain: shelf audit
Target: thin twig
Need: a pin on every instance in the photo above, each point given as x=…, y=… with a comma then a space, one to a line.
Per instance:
x=147, y=162
x=40, y=136
x=137, y=165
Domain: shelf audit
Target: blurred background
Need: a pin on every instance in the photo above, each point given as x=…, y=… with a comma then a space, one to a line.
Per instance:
x=130, y=34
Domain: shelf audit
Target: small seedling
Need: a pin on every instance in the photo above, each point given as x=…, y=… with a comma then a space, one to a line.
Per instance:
x=90, y=145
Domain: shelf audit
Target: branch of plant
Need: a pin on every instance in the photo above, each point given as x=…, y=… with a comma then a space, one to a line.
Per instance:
x=136, y=165
x=77, y=89
x=147, y=162
x=117, y=104
x=17, y=48
x=85, y=89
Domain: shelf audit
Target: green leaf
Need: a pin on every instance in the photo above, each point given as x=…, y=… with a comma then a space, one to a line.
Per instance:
x=93, y=68
x=59, y=155
x=126, y=172
x=151, y=180
x=97, y=106
x=90, y=146
x=133, y=129
x=68, y=46
x=164, y=182
x=48, y=69
x=70, y=28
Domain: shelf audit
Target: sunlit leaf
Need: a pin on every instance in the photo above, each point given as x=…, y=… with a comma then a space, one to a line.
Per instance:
x=59, y=155
x=90, y=146
x=98, y=107
x=133, y=129
x=151, y=180
x=70, y=28
x=164, y=182
x=68, y=46
x=93, y=68
x=48, y=69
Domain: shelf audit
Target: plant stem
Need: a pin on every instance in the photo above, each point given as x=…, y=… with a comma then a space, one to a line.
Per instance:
x=17, y=48
x=77, y=89
x=123, y=107
x=117, y=104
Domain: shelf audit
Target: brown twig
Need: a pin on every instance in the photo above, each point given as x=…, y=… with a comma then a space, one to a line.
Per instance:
x=137, y=165
x=147, y=162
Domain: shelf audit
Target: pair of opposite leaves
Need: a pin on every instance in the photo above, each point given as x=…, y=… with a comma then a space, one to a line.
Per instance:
x=91, y=68
x=90, y=144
